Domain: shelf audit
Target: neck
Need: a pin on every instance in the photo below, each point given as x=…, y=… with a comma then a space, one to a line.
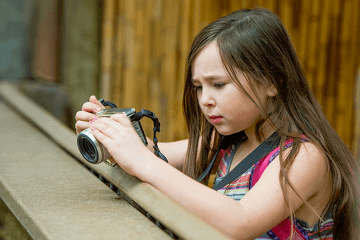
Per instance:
x=266, y=129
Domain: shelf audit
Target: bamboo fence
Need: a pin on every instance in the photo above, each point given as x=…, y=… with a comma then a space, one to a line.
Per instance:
x=146, y=42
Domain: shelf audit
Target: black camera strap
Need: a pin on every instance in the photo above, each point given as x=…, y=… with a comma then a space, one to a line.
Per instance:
x=107, y=103
x=263, y=149
x=139, y=115
x=146, y=113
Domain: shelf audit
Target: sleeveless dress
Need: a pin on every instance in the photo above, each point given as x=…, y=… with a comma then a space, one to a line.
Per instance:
x=238, y=188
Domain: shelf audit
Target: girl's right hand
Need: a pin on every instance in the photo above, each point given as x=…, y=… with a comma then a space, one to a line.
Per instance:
x=86, y=114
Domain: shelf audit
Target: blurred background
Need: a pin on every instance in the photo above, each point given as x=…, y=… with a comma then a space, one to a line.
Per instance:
x=133, y=52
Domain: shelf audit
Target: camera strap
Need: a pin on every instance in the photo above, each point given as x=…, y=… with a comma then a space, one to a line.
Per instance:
x=263, y=149
x=146, y=113
x=139, y=115
x=107, y=103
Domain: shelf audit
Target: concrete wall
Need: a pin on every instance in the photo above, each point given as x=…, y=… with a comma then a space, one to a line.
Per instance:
x=15, y=41
x=81, y=35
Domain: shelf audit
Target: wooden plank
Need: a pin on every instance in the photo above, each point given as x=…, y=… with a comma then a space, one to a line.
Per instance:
x=196, y=24
x=108, y=38
x=322, y=52
x=119, y=64
x=330, y=107
x=184, y=44
x=356, y=143
x=304, y=32
x=182, y=222
x=355, y=67
x=269, y=4
x=346, y=81
x=156, y=43
x=130, y=87
x=312, y=46
x=171, y=98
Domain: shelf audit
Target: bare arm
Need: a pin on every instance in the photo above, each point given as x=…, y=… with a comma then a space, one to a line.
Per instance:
x=174, y=151
x=262, y=208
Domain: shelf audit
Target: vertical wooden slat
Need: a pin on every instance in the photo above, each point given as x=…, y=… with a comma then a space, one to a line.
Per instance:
x=356, y=143
x=184, y=48
x=108, y=38
x=347, y=80
x=332, y=74
x=322, y=52
x=285, y=13
x=140, y=95
x=118, y=77
x=130, y=85
x=156, y=55
x=196, y=16
x=355, y=50
x=302, y=44
x=269, y=4
x=312, y=46
x=169, y=86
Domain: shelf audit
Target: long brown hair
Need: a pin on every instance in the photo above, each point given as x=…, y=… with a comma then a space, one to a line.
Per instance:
x=257, y=43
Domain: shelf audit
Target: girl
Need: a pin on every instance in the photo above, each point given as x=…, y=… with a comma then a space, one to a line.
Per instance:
x=243, y=83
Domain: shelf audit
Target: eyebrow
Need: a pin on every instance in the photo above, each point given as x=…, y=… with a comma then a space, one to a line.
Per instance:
x=211, y=78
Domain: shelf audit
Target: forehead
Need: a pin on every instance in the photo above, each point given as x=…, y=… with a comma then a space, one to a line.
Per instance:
x=208, y=62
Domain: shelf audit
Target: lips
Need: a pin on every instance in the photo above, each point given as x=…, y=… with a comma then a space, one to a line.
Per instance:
x=215, y=119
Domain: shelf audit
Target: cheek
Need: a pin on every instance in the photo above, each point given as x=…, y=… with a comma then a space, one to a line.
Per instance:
x=245, y=115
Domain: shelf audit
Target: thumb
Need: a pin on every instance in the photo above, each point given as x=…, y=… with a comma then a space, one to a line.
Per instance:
x=94, y=100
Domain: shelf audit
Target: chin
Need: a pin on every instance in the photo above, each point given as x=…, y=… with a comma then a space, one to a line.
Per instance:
x=226, y=132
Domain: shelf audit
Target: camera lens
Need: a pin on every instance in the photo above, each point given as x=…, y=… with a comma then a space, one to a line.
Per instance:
x=87, y=147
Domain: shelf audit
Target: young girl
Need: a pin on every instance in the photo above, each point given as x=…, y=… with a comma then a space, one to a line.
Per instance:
x=243, y=83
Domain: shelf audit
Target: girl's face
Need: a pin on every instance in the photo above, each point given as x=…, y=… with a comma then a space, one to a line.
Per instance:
x=221, y=101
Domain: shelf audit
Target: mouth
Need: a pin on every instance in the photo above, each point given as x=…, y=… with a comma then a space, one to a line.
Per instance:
x=215, y=119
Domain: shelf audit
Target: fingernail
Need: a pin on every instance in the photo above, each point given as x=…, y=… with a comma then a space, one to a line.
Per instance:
x=95, y=118
x=97, y=108
x=93, y=129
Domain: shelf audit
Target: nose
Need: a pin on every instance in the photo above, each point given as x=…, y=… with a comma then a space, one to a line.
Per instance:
x=206, y=98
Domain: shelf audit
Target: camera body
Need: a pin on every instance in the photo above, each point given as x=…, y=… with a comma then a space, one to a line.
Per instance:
x=92, y=150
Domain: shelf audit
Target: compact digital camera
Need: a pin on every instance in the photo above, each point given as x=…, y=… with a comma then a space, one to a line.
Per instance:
x=92, y=150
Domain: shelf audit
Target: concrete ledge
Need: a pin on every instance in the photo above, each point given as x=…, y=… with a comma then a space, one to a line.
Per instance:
x=182, y=222
x=55, y=197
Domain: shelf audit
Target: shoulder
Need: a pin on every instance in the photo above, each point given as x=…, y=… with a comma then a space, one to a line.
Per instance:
x=309, y=158
x=309, y=171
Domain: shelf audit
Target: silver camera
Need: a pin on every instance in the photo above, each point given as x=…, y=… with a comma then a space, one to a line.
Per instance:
x=92, y=150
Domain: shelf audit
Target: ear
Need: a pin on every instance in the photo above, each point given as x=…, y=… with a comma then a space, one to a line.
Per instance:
x=271, y=91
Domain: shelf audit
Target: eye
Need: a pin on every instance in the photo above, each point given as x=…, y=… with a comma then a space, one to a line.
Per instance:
x=219, y=85
x=197, y=88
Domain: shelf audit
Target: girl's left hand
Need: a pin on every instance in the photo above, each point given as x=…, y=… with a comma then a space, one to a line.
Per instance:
x=119, y=137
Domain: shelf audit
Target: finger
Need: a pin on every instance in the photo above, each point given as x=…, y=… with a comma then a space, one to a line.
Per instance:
x=84, y=116
x=91, y=107
x=122, y=119
x=94, y=100
x=81, y=125
x=98, y=134
x=107, y=126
